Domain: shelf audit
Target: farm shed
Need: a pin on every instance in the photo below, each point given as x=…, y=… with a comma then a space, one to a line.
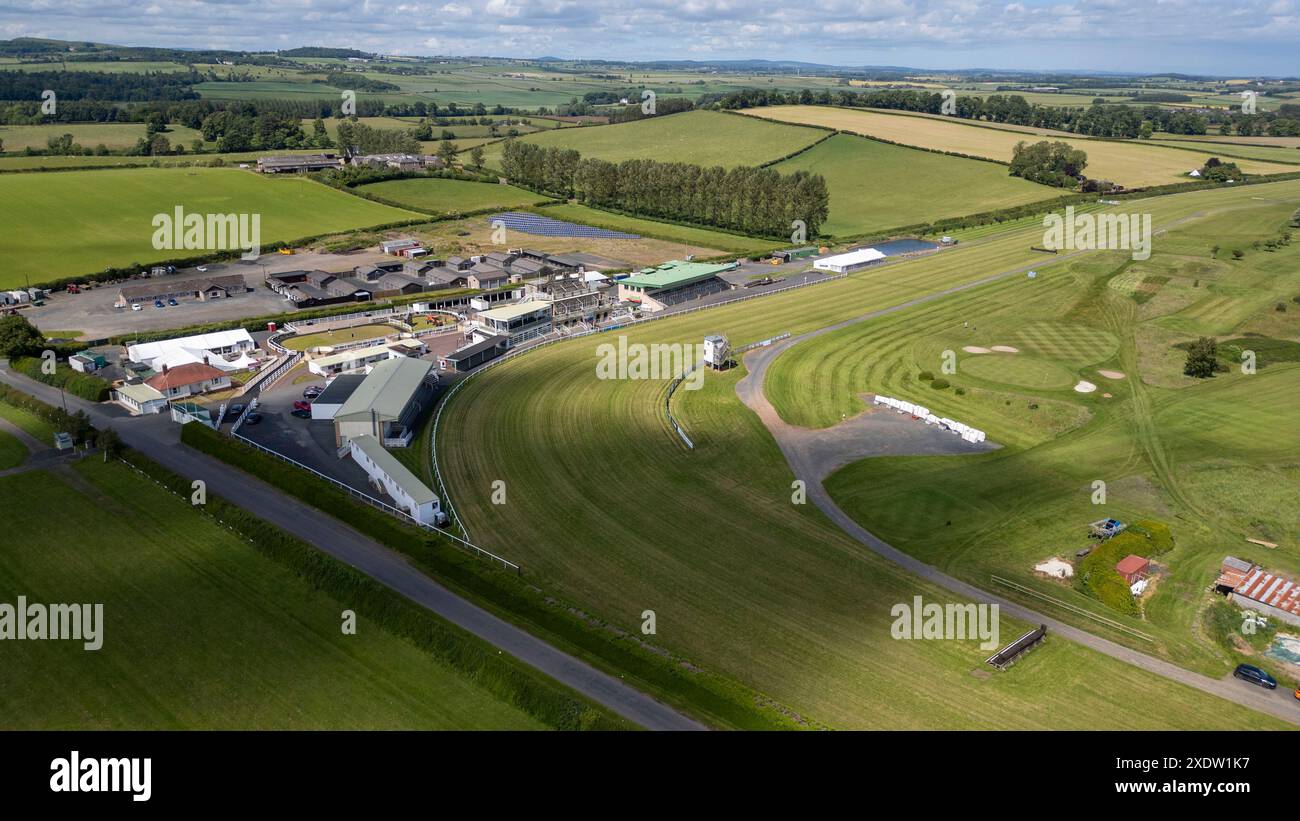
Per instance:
x=1268, y=594
x=1133, y=568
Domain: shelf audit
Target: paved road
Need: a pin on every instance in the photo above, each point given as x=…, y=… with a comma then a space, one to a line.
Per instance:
x=158, y=438
x=812, y=465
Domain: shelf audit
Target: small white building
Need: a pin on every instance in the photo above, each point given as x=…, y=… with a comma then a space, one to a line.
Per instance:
x=356, y=360
x=140, y=399
x=851, y=261
x=402, y=486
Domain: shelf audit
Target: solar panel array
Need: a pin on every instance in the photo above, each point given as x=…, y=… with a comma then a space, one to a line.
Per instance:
x=547, y=227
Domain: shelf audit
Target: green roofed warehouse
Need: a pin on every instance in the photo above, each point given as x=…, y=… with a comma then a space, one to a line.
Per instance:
x=673, y=283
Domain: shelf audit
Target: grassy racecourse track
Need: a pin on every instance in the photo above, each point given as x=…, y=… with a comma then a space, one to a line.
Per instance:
x=78, y=222
x=1129, y=163
x=247, y=645
x=608, y=509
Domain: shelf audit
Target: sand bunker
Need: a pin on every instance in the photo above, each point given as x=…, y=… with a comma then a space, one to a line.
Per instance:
x=1106, y=396
x=1111, y=374
x=976, y=349
x=1005, y=349
x=1056, y=568
x=1085, y=387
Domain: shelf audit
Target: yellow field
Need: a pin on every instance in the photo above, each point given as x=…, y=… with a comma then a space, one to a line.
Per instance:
x=1130, y=164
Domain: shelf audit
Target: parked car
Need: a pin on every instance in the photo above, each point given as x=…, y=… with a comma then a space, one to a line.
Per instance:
x=252, y=419
x=1297, y=694
x=157, y=303
x=136, y=306
x=233, y=411
x=1254, y=675
x=312, y=391
x=172, y=301
x=303, y=406
x=300, y=413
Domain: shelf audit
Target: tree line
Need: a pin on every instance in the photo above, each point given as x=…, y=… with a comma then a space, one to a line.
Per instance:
x=754, y=201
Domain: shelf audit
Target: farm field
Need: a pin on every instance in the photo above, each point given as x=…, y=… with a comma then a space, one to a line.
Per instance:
x=1284, y=142
x=114, y=67
x=12, y=452
x=712, y=543
x=1155, y=441
x=1129, y=163
x=923, y=186
x=36, y=163
x=80, y=221
x=433, y=195
x=1271, y=153
x=705, y=138
x=113, y=136
x=200, y=631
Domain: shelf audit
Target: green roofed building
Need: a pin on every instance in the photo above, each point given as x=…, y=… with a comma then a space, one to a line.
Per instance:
x=674, y=283
x=387, y=402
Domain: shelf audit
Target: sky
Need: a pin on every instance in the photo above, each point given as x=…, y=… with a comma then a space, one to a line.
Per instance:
x=1213, y=37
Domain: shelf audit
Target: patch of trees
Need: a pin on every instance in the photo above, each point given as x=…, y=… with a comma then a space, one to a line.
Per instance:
x=318, y=51
x=98, y=85
x=1216, y=170
x=245, y=130
x=364, y=139
x=663, y=107
x=755, y=201
x=1049, y=162
x=356, y=81
x=1203, y=358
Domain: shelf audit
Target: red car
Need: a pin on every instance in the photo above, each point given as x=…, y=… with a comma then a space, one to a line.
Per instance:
x=302, y=406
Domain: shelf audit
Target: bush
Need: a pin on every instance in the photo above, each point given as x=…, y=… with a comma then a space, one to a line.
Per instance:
x=84, y=385
x=925, y=376
x=939, y=384
x=960, y=391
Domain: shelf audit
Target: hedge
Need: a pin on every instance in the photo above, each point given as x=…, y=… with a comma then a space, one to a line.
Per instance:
x=85, y=385
x=723, y=701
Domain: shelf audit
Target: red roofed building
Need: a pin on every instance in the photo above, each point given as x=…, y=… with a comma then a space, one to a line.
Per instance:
x=1133, y=568
x=1271, y=595
x=189, y=379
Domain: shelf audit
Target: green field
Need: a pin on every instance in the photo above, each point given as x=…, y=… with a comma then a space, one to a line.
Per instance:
x=434, y=195
x=200, y=630
x=77, y=222
x=688, y=236
x=705, y=138
x=746, y=584
x=1211, y=457
x=874, y=185
x=12, y=452
x=113, y=136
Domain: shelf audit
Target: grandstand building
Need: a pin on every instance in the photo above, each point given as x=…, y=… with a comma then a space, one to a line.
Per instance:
x=673, y=283
x=572, y=299
x=518, y=323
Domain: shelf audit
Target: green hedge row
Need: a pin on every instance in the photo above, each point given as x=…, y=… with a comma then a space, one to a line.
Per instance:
x=77, y=424
x=85, y=385
x=720, y=700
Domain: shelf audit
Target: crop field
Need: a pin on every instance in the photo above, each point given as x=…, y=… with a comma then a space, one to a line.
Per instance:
x=113, y=136
x=874, y=185
x=1132, y=164
x=1168, y=447
x=80, y=221
x=439, y=196
x=607, y=509
x=200, y=631
x=115, y=67
x=60, y=162
x=705, y=138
